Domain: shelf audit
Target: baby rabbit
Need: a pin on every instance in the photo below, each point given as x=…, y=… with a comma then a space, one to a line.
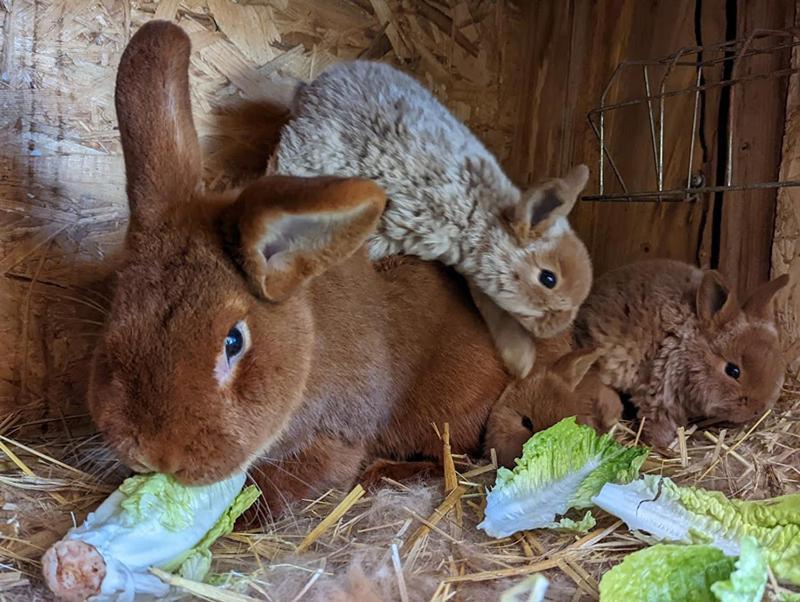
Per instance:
x=561, y=384
x=449, y=200
x=250, y=330
x=676, y=339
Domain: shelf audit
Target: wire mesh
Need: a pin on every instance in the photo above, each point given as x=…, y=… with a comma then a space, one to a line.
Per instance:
x=735, y=53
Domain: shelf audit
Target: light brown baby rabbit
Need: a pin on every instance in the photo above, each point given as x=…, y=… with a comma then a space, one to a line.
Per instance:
x=251, y=330
x=449, y=199
x=561, y=384
x=676, y=339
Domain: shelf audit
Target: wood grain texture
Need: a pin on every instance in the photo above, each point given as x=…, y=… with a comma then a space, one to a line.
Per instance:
x=748, y=218
x=573, y=54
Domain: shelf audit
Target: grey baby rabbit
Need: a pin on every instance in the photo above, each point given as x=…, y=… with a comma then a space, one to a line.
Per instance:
x=449, y=200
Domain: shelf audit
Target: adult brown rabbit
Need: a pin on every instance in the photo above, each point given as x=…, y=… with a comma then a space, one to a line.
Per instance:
x=251, y=330
x=676, y=339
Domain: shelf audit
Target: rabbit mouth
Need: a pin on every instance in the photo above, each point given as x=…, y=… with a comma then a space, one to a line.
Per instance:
x=547, y=325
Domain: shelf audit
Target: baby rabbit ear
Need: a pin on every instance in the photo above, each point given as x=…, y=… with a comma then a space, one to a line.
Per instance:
x=573, y=366
x=759, y=303
x=162, y=155
x=284, y=230
x=716, y=302
x=542, y=204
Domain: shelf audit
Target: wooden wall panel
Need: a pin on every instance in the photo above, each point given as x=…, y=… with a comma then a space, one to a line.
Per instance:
x=571, y=63
x=748, y=218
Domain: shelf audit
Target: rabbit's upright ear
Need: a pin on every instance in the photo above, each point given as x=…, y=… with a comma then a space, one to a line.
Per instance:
x=283, y=231
x=162, y=155
x=716, y=302
x=541, y=205
x=759, y=303
x=573, y=366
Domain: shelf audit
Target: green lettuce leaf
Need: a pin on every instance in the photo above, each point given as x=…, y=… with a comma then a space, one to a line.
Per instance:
x=693, y=515
x=195, y=563
x=586, y=524
x=157, y=493
x=560, y=468
x=667, y=573
x=748, y=582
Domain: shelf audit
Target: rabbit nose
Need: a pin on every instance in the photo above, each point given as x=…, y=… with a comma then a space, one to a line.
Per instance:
x=163, y=462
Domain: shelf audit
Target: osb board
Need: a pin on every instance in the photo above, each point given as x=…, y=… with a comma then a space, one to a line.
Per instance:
x=62, y=205
x=786, y=242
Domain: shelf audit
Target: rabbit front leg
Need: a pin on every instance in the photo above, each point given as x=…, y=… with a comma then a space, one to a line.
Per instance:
x=324, y=464
x=515, y=345
x=661, y=413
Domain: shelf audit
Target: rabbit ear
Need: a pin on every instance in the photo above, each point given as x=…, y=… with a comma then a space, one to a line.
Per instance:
x=573, y=366
x=759, y=303
x=162, y=155
x=716, y=302
x=541, y=205
x=283, y=230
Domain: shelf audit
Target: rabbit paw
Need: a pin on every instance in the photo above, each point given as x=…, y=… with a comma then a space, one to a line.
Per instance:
x=518, y=354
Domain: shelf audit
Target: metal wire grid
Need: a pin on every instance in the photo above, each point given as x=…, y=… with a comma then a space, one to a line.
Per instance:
x=735, y=51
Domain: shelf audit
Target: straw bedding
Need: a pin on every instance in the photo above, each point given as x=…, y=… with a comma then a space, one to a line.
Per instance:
x=405, y=542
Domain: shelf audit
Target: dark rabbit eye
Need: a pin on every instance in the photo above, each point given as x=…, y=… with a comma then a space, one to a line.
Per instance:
x=733, y=371
x=234, y=343
x=547, y=279
x=527, y=423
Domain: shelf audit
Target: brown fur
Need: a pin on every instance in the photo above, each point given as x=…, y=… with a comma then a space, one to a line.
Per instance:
x=667, y=330
x=346, y=361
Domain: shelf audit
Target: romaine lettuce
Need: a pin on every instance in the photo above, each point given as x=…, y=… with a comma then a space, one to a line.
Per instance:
x=661, y=508
x=560, y=468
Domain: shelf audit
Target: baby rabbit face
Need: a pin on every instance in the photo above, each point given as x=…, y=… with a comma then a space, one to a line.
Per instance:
x=540, y=272
x=741, y=369
x=551, y=278
x=565, y=388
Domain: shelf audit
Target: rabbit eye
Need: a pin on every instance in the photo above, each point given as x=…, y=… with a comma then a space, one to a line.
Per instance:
x=547, y=279
x=733, y=371
x=527, y=423
x=234, y=343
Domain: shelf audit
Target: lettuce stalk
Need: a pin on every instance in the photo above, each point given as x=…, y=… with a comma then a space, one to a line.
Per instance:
x=561, y=468
x=149, y=521
x=661, y=508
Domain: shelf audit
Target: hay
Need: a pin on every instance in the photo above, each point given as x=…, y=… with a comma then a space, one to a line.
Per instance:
x=406, y=541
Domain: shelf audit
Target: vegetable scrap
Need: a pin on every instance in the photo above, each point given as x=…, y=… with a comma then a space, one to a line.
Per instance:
x=150, y=521
x=561, y=468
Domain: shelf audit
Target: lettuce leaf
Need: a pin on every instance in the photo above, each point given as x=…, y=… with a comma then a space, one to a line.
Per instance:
x=586, y=524
x=155, y=521
x=692, y=515
x=695, y=573
x=748, y=582
x=560, y=468
x=665, y=573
